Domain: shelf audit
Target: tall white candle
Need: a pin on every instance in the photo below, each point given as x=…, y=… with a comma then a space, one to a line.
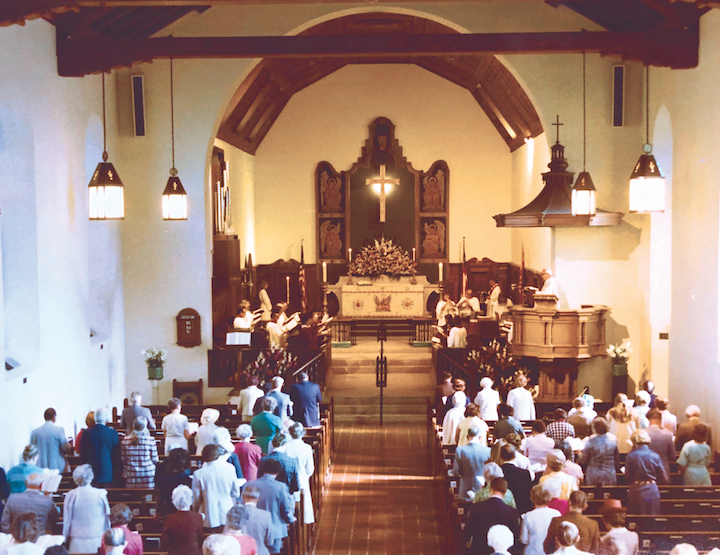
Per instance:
x=287, y=289
x=440, y=271
x=349, y=254
x=413, y=254
x=324, y=271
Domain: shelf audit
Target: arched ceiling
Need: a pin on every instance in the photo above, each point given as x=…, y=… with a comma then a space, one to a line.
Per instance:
x=264, y=93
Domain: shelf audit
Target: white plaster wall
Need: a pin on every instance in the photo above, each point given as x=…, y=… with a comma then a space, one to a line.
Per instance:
x=53, y=159
x=434, y=119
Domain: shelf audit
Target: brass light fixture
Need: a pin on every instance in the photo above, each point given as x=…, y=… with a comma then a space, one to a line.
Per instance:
x=106, y=199
x=647, y=185
x=583, y=192
x=174, y=198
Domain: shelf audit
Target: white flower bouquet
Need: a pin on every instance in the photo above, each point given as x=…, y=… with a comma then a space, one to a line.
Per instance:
x=155, y=357
x=620, y=353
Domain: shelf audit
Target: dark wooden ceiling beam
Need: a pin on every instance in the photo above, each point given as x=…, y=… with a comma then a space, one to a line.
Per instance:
x=677, y=48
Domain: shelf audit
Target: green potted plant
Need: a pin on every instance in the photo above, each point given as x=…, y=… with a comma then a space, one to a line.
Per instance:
x=155, y=359
x=620, y=354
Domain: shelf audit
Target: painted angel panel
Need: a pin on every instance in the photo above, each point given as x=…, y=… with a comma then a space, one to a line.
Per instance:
x=433, y=190
x=433, y=238
x=330, y=185
x=331, y=243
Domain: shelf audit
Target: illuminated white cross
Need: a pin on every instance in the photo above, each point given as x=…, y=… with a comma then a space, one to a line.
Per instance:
x=380, y=184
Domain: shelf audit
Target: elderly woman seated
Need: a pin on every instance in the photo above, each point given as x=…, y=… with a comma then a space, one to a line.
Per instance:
x=183, y=530
x=490, y=472
x=85, y=513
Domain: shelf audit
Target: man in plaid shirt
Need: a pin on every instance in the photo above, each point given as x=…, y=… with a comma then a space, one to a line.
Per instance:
x=289, y=472
x=561, y=428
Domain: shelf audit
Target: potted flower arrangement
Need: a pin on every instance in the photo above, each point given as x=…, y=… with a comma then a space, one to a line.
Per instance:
x=619, y=354
x=382, y=258
x=155, y=359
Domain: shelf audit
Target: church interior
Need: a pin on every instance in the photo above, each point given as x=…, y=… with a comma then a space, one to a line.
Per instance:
x=268, y=95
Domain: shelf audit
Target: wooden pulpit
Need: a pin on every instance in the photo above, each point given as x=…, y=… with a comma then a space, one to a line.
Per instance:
x=559, y=340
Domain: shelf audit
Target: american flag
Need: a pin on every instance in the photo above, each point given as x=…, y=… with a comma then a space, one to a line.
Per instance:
x=301, y=280
x=464, y=272
x=521, y=280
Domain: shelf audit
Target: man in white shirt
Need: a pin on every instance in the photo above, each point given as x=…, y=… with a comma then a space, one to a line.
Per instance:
x=469, y=304
x=244, y=319
x=248, y=397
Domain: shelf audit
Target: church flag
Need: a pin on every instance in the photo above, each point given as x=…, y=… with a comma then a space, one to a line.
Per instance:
x=464, y=272
x=521, y=280
x=301, y=279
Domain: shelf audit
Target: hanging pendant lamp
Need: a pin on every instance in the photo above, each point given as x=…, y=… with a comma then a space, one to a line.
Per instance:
x=583, y=192
x=174, y=198
x=106, y=200
x=647, y=185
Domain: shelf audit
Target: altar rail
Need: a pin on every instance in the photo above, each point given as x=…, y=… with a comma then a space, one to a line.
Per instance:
x=225, y=364
x=349, y=330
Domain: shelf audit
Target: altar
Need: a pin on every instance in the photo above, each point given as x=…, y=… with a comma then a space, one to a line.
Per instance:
x=382, y=296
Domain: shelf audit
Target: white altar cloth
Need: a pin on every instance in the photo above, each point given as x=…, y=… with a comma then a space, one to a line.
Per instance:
x=382, y=297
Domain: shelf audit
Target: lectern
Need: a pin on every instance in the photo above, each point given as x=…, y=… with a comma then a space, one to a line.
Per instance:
x=559, y=340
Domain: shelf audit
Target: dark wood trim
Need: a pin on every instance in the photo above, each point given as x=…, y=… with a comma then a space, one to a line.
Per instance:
x=676, y=48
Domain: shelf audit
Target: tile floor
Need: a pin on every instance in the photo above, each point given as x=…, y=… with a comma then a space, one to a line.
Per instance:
x=380, y=498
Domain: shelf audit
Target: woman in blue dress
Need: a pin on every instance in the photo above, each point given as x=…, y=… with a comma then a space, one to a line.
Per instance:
x=601, y=455
x=695, y=458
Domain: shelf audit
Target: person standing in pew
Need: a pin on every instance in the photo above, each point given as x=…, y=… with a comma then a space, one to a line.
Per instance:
x=535, y=523
x=85, y=513
x=176, y=427
x=521, y=400
x=661, y=440
x=217, y=544
x=695, y=458
x=32, y=500
x=303, y=454
x=589, y=531
x=222, y=438
x=120, y=517
x=101, y=449
x=288, y=474
x=248, y=453
x=486, y=514
x=684, y=431
x=175, y=472
x=256, y=523
x=265, y=425
x=139, y=456
x=248, y=397
x=275, y=498
x=469, y=461
x=560, y=428
x=488, y=400
x=233, y=529
x=215, y=488
x=183, y=530
x=507, y=424
x=284, y=407
x=306, y=398
x=17, y=475
x=601, y=455
x=643, y=470
x=518, y=479
x=207, y=429
x=133, y=411
x=52, y=443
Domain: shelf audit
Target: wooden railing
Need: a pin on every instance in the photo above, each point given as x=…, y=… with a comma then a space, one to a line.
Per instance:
x=421, y=330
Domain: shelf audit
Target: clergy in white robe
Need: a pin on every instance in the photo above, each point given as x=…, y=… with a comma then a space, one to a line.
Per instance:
x=550, y=285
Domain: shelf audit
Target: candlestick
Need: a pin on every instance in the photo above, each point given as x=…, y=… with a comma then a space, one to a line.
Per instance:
x=349, y=254
x=324, y=271
x=287, y=289
x=440, y=271
x=413, y=259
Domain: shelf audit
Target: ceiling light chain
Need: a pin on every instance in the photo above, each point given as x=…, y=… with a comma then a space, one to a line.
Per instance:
x=174, y=197
x=173, y=170
x=105, y=153
x=584, y=112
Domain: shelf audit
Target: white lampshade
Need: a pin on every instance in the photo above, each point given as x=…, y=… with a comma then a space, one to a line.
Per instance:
x=106, y=200
x=647, y=185
x=174, y=200
x=583, y=196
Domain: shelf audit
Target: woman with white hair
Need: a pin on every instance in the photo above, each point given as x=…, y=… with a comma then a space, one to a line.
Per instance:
x=85, y=513
x=488, y=400
x=500, y=538
x=491, y=471
x=248, y=453
x=183, y=530
x=207, y=429
x=566, y=536
x=453, y=417
x=535, y=523
x=643, y=470
x=221, y=437
x=298, y=449
x=114, y=541
x=139, y=456
x=218, y=544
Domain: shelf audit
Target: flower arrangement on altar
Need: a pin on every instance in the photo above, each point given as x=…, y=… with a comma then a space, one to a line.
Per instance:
x=620, y=353
x=155, y=357
x=382, y=257
x=269, y=364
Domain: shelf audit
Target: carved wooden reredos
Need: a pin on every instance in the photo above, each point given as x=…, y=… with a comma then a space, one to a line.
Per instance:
x=348, y=211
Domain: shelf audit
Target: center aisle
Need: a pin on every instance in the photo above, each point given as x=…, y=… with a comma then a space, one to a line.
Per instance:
x=380, y=497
